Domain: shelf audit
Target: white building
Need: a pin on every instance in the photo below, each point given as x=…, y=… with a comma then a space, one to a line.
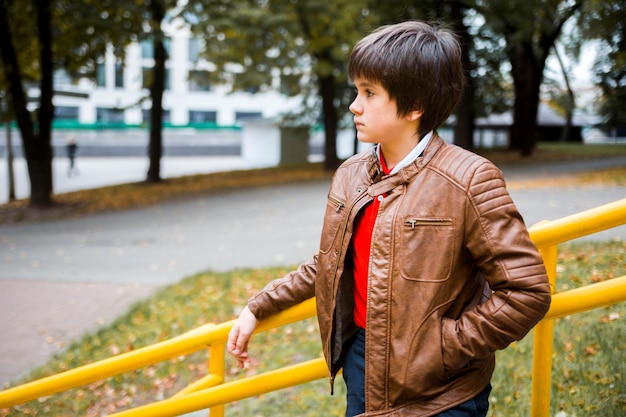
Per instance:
x=120, y=96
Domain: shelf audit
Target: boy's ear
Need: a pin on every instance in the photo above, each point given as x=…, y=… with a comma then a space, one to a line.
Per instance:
x=414, y=115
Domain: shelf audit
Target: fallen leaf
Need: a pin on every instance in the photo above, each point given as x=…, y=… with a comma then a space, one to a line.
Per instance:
x=590, y=350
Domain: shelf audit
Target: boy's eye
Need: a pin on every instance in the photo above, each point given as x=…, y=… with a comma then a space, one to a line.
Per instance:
x=366, y=92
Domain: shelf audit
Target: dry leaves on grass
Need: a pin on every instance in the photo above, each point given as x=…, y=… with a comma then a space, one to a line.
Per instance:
x=142, y=194
x=137, y=195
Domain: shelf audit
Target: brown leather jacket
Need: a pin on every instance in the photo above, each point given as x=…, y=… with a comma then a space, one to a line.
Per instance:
x=453, y=278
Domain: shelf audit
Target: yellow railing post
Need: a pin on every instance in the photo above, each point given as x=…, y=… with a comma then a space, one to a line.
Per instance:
x=215, y=376
x=217, y=366
x=543, y=345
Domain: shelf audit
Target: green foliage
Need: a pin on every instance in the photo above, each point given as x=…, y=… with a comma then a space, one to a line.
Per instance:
x=22, y=24
x=83, y=29
x=259, y=45
x=588, y=363
x=253, y=41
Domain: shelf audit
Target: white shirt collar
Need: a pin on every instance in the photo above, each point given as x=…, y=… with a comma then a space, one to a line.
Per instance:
x=412, y=156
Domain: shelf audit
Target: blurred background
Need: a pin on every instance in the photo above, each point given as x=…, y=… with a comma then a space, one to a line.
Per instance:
x=157, y=78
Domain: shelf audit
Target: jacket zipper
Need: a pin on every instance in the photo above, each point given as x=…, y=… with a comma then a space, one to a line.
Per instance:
x=412, y=223
x=337, y=203
x=340, y=205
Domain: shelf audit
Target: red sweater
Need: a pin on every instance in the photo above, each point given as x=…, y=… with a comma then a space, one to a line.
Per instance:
x=361, y=243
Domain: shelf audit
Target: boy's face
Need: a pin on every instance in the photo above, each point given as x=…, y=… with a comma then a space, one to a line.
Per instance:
x=376, y=117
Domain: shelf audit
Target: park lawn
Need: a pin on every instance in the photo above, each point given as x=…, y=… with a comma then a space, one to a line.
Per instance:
x=589, y=375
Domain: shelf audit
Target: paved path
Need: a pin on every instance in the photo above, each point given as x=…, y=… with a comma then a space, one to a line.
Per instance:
x=60, y=279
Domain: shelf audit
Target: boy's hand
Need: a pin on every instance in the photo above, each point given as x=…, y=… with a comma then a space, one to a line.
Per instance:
x=239, y=336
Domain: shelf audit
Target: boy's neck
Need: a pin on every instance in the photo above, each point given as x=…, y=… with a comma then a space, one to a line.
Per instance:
x=394, y=153
x=408, y=157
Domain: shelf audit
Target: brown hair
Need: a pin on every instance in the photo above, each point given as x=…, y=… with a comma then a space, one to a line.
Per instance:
x=418, y=64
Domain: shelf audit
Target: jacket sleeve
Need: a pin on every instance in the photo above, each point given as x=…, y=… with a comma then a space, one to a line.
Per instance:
x=499, y=243
x=282, y=293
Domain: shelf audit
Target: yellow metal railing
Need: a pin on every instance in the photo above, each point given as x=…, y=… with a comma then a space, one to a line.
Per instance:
x=211, y=392
x=209, y=335
x=547, y=235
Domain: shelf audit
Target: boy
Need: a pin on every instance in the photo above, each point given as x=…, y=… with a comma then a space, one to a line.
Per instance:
x=425, y=267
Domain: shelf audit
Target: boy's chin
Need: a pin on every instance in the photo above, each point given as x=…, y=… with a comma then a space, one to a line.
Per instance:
x=365, y=139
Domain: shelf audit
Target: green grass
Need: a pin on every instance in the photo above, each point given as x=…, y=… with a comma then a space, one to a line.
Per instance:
x=596, y=149
x=588, y=364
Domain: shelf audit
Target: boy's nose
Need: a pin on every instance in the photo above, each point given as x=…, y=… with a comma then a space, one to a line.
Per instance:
x=354, y=107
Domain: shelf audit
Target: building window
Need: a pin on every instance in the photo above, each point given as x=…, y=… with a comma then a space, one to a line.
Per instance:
x=101, y=76
x=119, y=75
x=63, y=79
x=65, y=113
x=246, y=115
x=147, y=48
x=146, y=116
x=199, y=81
x=194, y=49
x=202, y=116
x=109, y=115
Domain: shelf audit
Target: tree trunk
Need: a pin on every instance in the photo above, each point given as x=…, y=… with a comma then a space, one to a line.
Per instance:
x=526, y=80
x=327, y=91
x=156, y=94
x=46, y=108
x=36, y=144
x=570, y=104
x=528, y=61
x=10, y=172
x=464, y=128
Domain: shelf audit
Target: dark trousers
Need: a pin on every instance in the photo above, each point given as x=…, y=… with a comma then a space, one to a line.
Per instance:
x=354, y=375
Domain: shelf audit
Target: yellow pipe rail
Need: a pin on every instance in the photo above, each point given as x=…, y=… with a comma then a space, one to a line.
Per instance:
x=186, y=343
x=595, y=295
x=233, y=391
x=599, y=294
x=197, y=339
x=212, y=392
x=587, y=298
x=580, y=224
x=547, y=235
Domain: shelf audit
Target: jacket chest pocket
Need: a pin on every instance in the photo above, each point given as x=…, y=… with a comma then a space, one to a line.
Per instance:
x=336, y=212
x=428, y=249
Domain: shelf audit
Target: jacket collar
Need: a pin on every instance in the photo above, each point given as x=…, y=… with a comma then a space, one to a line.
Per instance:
x=382, y=184
x=417, y=151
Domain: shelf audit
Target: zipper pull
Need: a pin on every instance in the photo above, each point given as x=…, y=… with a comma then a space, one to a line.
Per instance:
x=412, y=222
